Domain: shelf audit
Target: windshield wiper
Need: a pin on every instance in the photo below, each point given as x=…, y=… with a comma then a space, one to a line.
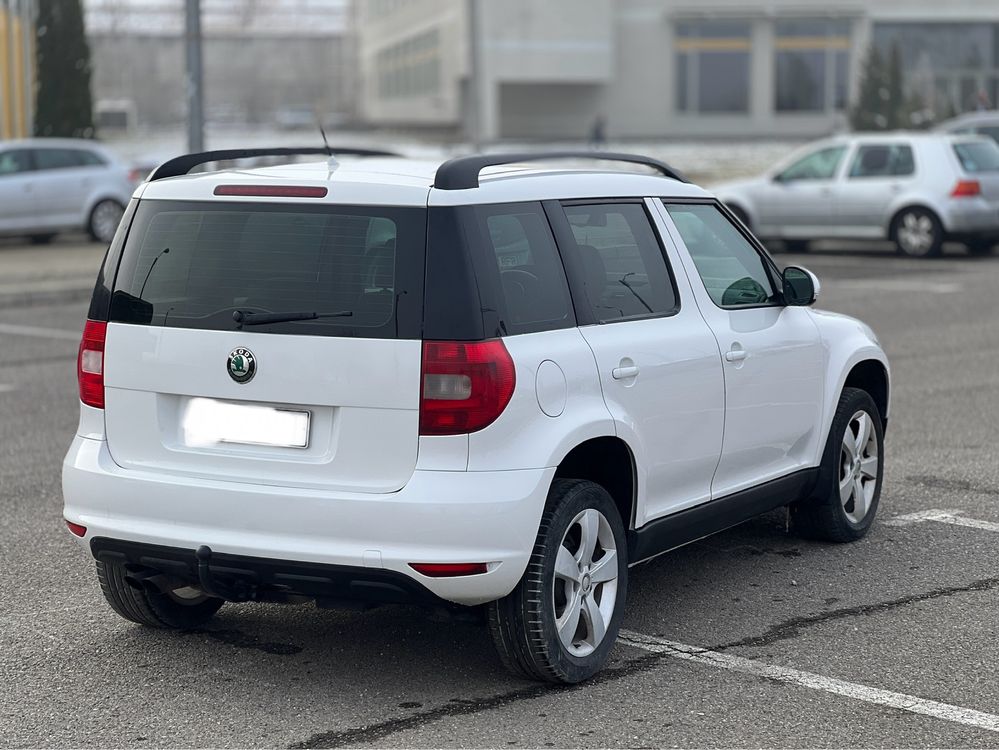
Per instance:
x=256, y=319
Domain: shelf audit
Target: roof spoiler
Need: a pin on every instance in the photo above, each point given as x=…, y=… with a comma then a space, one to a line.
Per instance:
x=182, y=165
x=462, y=172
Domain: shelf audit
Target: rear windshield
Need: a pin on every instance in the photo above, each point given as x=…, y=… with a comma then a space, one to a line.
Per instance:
x=192, y=265
x=978, y=157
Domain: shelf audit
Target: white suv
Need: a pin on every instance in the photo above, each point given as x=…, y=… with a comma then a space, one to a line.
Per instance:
x=385, y=381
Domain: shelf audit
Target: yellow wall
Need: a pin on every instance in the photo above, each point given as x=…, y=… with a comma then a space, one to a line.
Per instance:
x=15, y=97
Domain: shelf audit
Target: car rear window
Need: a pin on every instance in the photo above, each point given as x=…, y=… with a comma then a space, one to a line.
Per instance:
x=192, y=265
x=980, y=156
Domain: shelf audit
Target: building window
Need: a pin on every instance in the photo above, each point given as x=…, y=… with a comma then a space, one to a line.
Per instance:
x=410, y=67
x=812, y=65
x=712, y=66
x=949, y=67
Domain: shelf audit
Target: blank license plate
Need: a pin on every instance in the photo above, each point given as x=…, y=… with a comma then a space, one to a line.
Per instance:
x=209, y=422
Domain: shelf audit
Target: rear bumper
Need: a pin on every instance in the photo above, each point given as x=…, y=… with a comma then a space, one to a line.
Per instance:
x=972, y=216
x=439, y=516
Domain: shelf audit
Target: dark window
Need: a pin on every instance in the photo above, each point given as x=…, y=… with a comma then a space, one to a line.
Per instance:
x=14, y=162
x=732, y=270
x=712, y=66
x=65, y=158
x=624, y=271
x=531, y=278
x=812, y=65
x=191, y=265
x=978, y=157
x=888, y=160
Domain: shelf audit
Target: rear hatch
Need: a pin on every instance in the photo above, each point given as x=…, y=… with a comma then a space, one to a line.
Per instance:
x=204, y=379
x=979, y=159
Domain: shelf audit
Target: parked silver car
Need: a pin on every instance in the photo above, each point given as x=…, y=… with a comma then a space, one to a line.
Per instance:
x=916, y=189
x=973, y=123
x=51, y=185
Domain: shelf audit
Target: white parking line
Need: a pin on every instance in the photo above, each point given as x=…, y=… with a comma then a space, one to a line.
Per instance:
x=44, y=333
x=952, y=517
x=864, y=693
x=6, y=387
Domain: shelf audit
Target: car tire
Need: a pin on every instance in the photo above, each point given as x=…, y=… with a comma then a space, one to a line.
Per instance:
x=581, y=535
x=795, y=246
x=155, y=609
x=917, y=233
x=41, y=239
x=980, y=248
x=848, y=488
x=104, y=220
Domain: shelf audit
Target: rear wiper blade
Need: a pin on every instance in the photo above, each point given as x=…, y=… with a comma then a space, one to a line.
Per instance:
x=256, y=319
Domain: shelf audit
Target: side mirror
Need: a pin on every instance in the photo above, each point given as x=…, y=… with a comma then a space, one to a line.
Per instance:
x=801, y=286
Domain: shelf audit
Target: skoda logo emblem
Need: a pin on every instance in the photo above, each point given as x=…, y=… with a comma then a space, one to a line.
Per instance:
x=242, y=365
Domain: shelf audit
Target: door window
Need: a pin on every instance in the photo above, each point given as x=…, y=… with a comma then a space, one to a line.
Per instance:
x=624, y=270
x=883, y=160
x=65, y=158
x=732, y=270
x=818, y=165
x=14, y=162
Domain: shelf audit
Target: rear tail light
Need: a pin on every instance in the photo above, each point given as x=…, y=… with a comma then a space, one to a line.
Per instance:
x=137, y=175
x=966, y=189
x=466, y=385
x=449, y=570
x=90, y=364
x=76, y=530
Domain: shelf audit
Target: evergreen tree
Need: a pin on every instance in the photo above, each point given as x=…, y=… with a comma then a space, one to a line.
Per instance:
x=882, y=103
x=64, y=107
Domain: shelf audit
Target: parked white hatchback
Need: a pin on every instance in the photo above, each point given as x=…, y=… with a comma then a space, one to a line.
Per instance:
x=390, y=381
x=53, y=185
x=916, y=189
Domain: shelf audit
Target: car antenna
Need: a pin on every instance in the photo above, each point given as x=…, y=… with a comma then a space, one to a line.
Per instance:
x=333, y=163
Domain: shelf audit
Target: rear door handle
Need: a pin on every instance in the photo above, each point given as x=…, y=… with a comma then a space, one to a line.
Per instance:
x=623, y=373
x=735, y=355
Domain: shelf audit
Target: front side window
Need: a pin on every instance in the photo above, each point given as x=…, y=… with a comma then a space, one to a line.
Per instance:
x=887, y=160
x=192, y=265
x=732, y=270
x=624, y=271
x=712, y=66
x=14, y=162
x=818, y=165
x=531, y=278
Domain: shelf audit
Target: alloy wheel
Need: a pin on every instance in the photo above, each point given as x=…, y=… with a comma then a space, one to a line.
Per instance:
x=858, y=472
x=916, y=233
x=585, y=582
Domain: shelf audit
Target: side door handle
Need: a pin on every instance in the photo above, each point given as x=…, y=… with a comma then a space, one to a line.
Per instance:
x=735, y=355
x=623, y=373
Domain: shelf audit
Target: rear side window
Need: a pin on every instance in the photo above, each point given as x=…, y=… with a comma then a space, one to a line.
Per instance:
x=981, y=156
x=522, y=253
x=883, y=160
x=192, y=265
x=624, y=271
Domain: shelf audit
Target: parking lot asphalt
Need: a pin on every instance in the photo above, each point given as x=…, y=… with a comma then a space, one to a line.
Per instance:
x=750, y=638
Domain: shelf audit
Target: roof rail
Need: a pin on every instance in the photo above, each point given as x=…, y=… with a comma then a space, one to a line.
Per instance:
x=181, y=165
x=462, y=172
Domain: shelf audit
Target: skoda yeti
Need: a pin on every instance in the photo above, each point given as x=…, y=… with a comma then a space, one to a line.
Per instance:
x=480, y=384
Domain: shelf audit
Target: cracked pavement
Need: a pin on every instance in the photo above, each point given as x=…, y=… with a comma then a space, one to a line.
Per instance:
x=912, y=608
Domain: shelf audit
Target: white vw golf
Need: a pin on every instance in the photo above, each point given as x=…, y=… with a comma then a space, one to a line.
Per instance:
x=470, y=385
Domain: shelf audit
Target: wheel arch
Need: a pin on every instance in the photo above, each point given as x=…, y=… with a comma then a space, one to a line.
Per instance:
x=871, y=376
x=906, y=205
x=609, y=462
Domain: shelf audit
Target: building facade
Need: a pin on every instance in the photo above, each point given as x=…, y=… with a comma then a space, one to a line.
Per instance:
x=17, y=68
x=265, y=61
x=662, y=68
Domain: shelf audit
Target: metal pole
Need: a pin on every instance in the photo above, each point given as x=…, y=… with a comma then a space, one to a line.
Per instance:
x=195, y=78
x=28, y=66
x=475, y=83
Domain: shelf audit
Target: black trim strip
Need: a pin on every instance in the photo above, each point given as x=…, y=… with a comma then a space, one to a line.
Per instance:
x=670, y=532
